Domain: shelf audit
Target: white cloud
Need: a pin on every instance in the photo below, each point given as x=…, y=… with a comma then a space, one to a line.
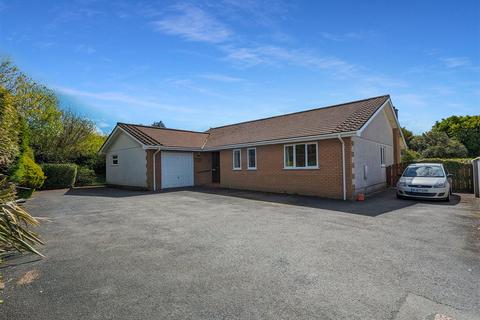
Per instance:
x=220, y=77
x=122, y=98
x=456, y=62
x=277, y=55
x=360, y=35
x=193, y=24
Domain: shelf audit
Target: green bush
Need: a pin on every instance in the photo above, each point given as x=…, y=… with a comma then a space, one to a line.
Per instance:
x=410, y=155
x=85, y=177
x=452, y=165
x=9, y=131
x=27, y=173
x=59, y=175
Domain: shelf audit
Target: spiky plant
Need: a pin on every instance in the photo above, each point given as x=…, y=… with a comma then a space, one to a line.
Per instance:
x=14, y=223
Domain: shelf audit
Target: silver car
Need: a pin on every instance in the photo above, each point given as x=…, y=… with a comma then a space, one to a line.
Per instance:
x=425, y=180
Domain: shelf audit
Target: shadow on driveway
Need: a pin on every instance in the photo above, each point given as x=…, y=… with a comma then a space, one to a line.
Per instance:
x=373, y=206
x=108, y=192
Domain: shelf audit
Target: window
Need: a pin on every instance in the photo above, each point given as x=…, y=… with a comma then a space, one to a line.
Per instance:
x=382, y=155
x=289, y=156
x=114, y=160
x=301, y=156
x=252, y=158
x=237, y=159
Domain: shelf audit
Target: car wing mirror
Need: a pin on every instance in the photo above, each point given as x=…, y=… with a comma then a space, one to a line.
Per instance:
x=450, y=175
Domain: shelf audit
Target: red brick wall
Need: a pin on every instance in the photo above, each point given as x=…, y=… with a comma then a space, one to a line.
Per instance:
x=202, y=167
x=158, y=171
x=326, y=181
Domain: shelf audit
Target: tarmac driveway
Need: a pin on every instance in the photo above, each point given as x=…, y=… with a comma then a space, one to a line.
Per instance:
x=217, y=254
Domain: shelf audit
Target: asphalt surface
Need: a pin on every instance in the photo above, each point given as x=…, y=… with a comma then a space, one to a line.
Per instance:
x=217, y=254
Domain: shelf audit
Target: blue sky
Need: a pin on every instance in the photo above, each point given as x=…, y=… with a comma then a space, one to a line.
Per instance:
x=202, y=64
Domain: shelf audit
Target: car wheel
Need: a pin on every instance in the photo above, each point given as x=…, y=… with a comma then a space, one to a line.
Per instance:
x=399, y=196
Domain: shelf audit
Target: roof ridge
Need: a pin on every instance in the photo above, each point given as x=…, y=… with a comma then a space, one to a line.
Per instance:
x=127, y=127
x=153, y=127
x=298, y=112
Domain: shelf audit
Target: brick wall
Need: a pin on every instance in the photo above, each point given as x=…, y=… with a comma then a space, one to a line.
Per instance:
x=326, y=181
x=203, y=168
x=158, y=171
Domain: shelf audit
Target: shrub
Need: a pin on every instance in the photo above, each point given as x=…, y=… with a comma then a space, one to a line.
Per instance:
x=59, y=175
x=410, y=155
x=27, y=173
x=452, y=165
x=9, y=131
x=85, y=177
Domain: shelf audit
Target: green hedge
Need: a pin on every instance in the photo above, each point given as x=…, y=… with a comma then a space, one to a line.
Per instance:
x=59, y=175
x=452, y=165
x=85, y=177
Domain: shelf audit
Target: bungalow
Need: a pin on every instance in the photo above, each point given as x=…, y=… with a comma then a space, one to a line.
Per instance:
x=335, y=151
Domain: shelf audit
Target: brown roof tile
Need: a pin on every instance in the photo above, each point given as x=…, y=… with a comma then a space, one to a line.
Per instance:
x=165, y=137
x=333, y=119
x=339, y=118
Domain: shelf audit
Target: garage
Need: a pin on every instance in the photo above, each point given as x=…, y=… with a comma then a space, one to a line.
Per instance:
x=177, y=169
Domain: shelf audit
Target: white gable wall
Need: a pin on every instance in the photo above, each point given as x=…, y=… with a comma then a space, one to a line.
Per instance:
x=369, y=174
x=132, y=162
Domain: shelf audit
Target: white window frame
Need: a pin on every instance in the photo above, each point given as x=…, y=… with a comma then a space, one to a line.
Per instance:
x=382, y=155
x=114, y=157
x=294, y=167
x=248, y=159
x=233, y=159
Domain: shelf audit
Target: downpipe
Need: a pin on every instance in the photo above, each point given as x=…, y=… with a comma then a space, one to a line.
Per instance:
x=344, y=185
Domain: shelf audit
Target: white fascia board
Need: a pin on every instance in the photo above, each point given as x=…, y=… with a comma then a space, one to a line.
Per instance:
x=283, y=141
x=360, y=131
x=389, y=103
x=108, y=141
x=128, y=134
x=110, y=137
x=173, y=148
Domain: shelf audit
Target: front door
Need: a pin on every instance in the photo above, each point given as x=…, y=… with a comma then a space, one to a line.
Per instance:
x=216, y=167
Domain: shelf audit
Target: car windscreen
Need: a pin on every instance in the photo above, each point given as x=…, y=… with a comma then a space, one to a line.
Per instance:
x=424, y=171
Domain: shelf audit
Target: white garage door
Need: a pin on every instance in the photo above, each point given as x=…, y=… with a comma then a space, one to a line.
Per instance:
x=177, y=169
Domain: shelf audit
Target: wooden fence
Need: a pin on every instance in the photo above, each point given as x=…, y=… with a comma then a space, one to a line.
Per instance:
x=462, y=180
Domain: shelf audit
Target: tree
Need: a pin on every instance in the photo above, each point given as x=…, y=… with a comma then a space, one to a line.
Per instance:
x=158, y=124
x=408, y=135
x=437, y=144
x=409, y=155
x=33, y=102
x=9, y=131
x=465, y=129
x=26, y=173
x=69, y=142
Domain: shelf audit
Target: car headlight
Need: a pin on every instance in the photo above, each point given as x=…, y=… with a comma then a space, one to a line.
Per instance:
x=401, y=183
x=440, y=184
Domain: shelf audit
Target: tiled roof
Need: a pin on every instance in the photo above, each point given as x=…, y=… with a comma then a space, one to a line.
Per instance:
x=333, y=119
x=339, y=118
x=155, y=136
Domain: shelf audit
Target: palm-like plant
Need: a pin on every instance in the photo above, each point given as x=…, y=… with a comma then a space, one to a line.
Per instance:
x=14, y=223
